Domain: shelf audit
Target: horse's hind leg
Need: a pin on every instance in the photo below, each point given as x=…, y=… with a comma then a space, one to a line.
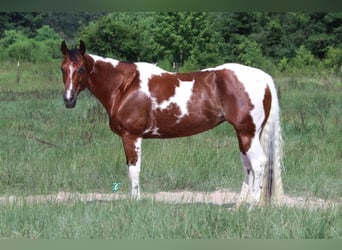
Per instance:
x=254, y=161
x=245, y=189
x=258, y=161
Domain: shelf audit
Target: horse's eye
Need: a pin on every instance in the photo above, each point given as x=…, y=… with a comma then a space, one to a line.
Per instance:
x=81, y=70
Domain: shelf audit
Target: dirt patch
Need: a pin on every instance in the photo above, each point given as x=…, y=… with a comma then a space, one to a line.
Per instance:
x=221, y=197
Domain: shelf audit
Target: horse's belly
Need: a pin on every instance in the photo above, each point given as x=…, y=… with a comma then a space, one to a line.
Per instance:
x=173, y=125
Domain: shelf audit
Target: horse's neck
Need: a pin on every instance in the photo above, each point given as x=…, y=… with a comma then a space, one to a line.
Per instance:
x=103, y=83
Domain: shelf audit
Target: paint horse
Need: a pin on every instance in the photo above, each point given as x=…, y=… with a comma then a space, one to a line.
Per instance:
x=145, y=101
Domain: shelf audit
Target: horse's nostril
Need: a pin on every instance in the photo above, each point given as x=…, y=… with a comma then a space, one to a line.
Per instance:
x=69, y=99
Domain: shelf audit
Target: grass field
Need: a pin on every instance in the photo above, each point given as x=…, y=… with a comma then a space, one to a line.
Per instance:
x=149, y=220
x=45, y=148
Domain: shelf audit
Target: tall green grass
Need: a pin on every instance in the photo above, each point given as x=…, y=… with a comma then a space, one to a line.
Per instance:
x=42, y=77
x=311, y=118
x=147, y=219
x=45, y=148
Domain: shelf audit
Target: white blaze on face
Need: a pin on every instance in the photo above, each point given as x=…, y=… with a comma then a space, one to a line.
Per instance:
x=71, y=85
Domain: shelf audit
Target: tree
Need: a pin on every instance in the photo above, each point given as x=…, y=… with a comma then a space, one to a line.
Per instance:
x=46, y=33
x=233, y=28
x=192, y=39
x=67, y=24
x=27, y=22
x=189, y=36
x=109, y=37
x=143, y=23
x=156, y=36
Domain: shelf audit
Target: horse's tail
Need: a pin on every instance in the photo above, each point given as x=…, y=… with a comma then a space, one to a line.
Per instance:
x=272, y=144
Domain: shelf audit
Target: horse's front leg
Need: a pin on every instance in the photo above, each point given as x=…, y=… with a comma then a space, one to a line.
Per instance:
x=132, y=146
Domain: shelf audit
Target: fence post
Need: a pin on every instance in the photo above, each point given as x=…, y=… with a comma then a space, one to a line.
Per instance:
x=18, y=73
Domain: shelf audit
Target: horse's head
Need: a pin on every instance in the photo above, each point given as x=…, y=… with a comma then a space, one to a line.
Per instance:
x=74, y=73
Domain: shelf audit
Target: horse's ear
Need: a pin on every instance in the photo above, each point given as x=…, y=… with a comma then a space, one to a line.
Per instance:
x=82, y=48
x=64, y=48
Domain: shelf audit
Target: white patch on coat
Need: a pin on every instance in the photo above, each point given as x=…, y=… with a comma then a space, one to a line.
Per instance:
x=113, y=62
x=181, y=98
x=147, y=71
x=154, y=131
x=254, y=82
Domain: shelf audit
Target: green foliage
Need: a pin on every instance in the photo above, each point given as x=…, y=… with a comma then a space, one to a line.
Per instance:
x=303, y=58
x=333, y=59
x=66, y=24
x=46, y=33
x=192, y=40
x=249, y=52
x=25, y=50
x=26, y=22
x=123, y=36
x=44, y=47
x=281, y=33
x=165, y=63
x=11, y=37
x=304, y=63
x=176, y=36
x=283, y=64
x=189, y=37
x=32, y=51
x=110, y=38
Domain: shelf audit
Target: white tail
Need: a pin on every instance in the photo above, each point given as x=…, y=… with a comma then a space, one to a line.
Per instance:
x=272, y=144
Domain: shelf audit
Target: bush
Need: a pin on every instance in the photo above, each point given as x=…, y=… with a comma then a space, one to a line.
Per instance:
x=108, y=37
x=32, y=51
x=303, y=63
x=46, y=33
x=304, y=58
x=333, y=59
x=11, y=37
x=166, y=63
x=15, y=45
x=249, y=53
x=51, y=49
x=190, y=64
x=24, y=50
x=283, y=64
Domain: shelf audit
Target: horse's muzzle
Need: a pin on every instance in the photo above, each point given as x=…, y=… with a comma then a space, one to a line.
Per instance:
x=70, y=99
